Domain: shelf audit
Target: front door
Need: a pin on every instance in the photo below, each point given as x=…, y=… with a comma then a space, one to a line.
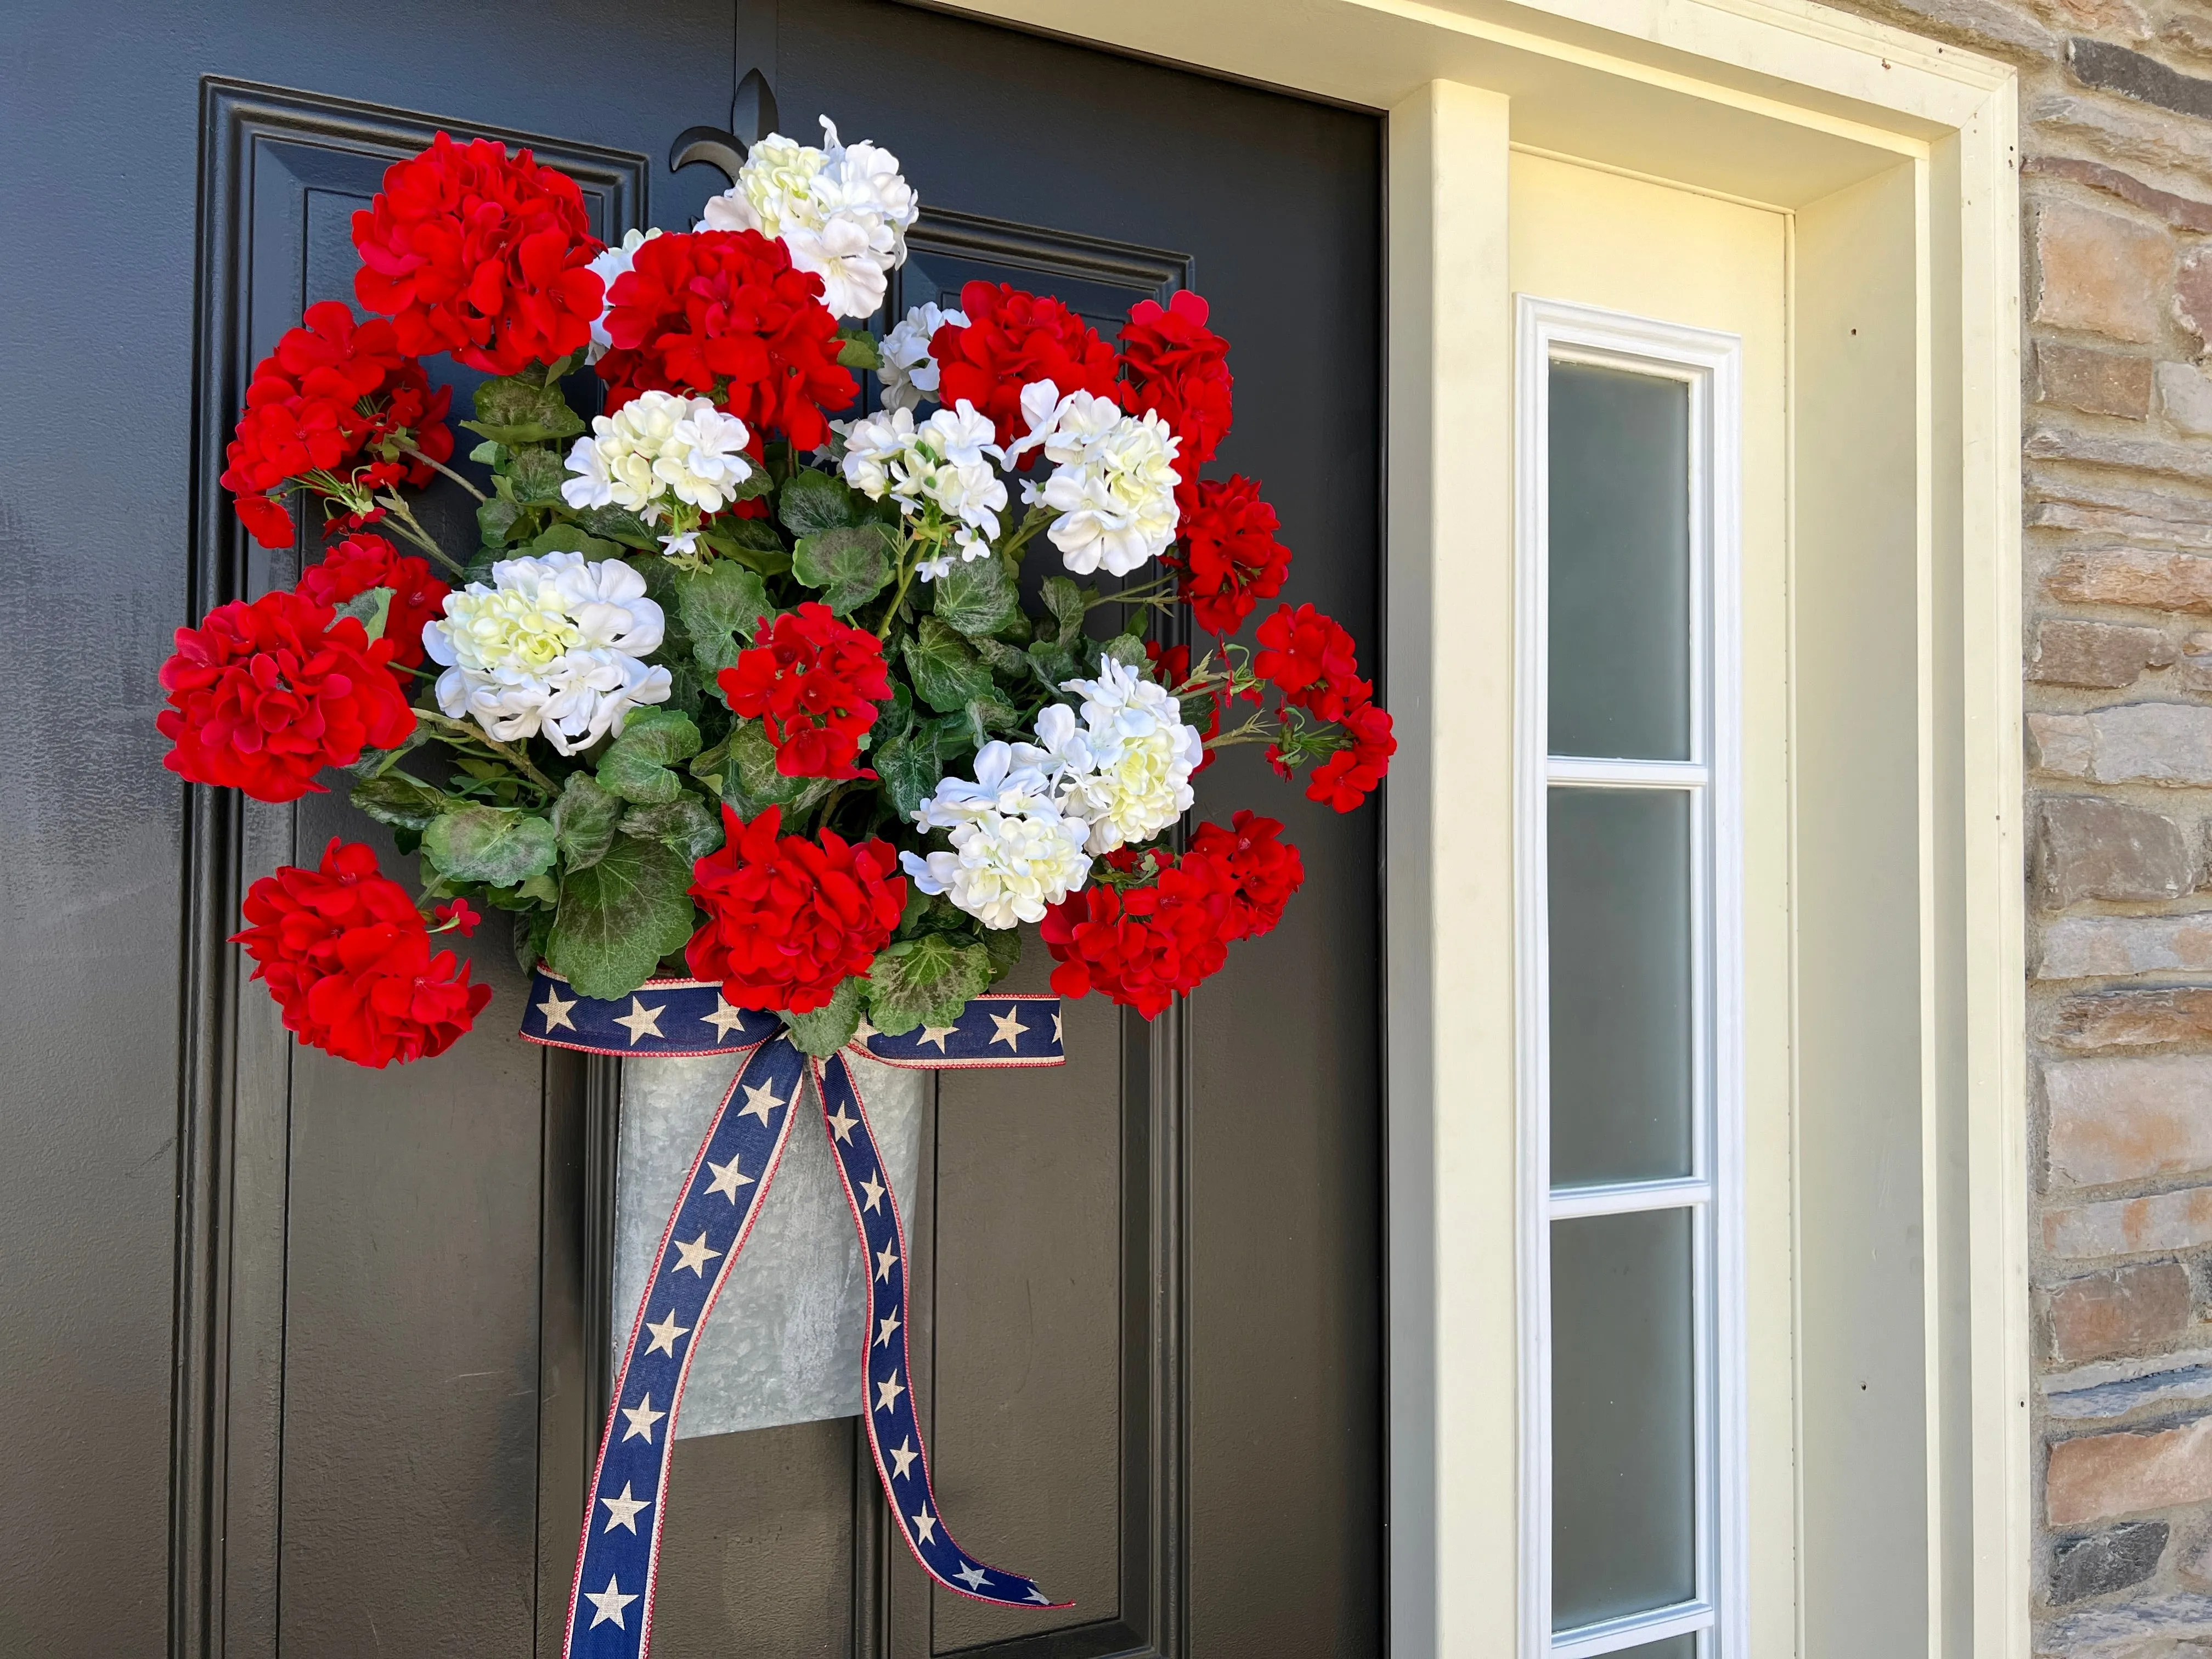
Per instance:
x=1148, y=1291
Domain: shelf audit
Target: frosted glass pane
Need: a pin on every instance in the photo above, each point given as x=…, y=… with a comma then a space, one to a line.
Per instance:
x=1620, y=985
x=1619, y=564
x=1623, y=1487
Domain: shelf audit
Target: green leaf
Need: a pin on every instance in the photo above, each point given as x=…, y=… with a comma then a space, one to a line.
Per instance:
x=909, y=770
x=751, y=782
x=537, y=476
x=636, y=764
x=371, y=610
x=1005, y=947
x=618, y=918
x=683, y=823
x=720, y=607
x=514, y=410
x=488, y=453
x=542, y=889
x=618, y=524
x=498, y=846
x=1128, y=648
x=583, y=820
x=531, y=930
x=404, y=802
x=857, y=349
x=976, y=597
x=814, y=501
x=568, y=537
x=850, y=566
x=495, y=520
x=1065, y=600
x=947, y=674
x=988, y=714
x=1054, y=665
x=827, y=1029
x=753, y=540
x=925, y=981
x=1008, y=659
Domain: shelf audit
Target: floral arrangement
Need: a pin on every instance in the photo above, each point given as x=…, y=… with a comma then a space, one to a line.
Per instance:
x=823, y=708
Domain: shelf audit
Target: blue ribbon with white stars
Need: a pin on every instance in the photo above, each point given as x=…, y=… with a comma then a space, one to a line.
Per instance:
x=611, y=1607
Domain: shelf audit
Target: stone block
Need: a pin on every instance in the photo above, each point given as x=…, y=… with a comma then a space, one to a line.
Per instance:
x=2184, y=393
x=2094, y=382
x=2192, y=294
x=2127, y=451
x=2103, y=1475
x=2130, y=1019
x=2088, y=848
x=2126, y=1310
x=2095, y=947
x=2131, y=1226
x=2107, y=654
x=2132, y=1118
x=2100, y=1563
x=2100, y=272
x=2133, y=577
x=2144, y=1628
x=2193, y=668
x=2168, y=743
x=2183, y=212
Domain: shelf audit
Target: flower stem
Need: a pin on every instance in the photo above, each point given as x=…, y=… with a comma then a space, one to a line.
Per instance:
x=408, y=525
x=410, y=449
x=514, y=757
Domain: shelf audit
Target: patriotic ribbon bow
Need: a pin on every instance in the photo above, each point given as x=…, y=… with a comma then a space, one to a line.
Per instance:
x=610, y=1605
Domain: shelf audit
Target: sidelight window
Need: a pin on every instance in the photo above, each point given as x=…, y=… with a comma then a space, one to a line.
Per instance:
x=1631, y=1305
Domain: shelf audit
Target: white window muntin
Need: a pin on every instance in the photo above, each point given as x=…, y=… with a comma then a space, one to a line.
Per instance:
x=1709, y=365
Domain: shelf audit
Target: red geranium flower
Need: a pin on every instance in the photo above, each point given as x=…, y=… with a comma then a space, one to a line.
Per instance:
x=346, y=956
x=1011, y=339
x=361, y=563
x=481, y=254
x=460, y=915
x=815, y=682
x=1179, y=368
x=1348, y=776
x=1308, y=658
x=1143, y=947
x=789, y=921
x=337, y=402
x=1230, y=559
x=264, y=696
x=723, y=314
x=1258, y=872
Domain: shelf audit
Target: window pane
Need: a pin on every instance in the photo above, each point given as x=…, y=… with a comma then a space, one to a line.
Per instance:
x=1675, y=1647
x=1619, y=564
x=1623, y=1485
x=1620, y=985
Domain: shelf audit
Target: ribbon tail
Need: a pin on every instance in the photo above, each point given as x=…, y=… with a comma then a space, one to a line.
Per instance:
x=618, y=1562
x=886, y=1369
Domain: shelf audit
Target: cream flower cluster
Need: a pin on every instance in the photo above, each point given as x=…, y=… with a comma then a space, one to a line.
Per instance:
x=843, y=211
x=1013, y=855
x=613, y=262
x=946, y=462
x=1125, y=771
x=1113, y=482
x=656, y=447
x=908, y=373
x=551, y=648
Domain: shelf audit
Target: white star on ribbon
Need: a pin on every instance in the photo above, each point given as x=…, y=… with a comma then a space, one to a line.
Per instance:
x=904, y=1456
x=641, y=1021
x=641, y=1417
x=874, y=1189
x=666, y=1333
x=727, y=1179
x=622, y=1511
x=887, y=1393
x=935, y=1034
x=886, y=1259
x=760, y=1101
x=1010, y=1029
x=972, y=1576
x=1056, y=1036
x=924, y=1525
x=1039, y=1597
x=695, y=1255
x=610, y=1602
x=865, y=1029
x=555, y=1011
x=843, y=1124
x=724, y=1019
x=889, y=1324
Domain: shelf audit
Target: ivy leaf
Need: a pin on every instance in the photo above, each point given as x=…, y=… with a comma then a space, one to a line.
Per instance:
x=1125, y=648
x=498, y=846
x=513, y=410
x=530, y=929
x=909, y=769
x=683, y=823
x=720, y=607
x=851, y=565
x=636, y=764
x=583, y=820
x=618, y=524
x=988, y=714
x=814, y=501
x=568, y=537
x=1065, y=600
x=976, y=597
x=403, y=802
x=1008, y=659
x=947, y=674
x=371, y=610
x=894, y=719
x=618, y=918
x=925, y=981
x=537, y=475
x=827, y=1029
x=496, y=520
x=1054, y=665
x=751, y=782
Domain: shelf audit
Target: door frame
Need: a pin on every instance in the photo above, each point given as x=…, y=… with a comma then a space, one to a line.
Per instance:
x=1894, y=157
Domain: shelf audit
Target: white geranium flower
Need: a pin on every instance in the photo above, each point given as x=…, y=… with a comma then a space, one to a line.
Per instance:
x=552, y=647
x=656, y=447
x=1014, y=855
x=946, y=462
x=843, y=211
x=908, y=373
x=1113, y=482
x=1140, y=757
x=613, y=262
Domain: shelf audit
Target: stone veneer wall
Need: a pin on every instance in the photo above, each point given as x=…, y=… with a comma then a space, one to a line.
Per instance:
x=2115, y=166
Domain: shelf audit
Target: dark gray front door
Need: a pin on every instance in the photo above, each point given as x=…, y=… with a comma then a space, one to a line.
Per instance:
x=1148, y=1290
